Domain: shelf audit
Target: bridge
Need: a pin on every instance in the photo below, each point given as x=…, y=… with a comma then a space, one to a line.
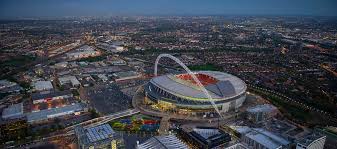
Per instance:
x=68, y=131
x=102, y=120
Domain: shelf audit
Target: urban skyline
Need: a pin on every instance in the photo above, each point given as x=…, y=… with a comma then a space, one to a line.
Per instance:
x=168, y=74
x=13, y=9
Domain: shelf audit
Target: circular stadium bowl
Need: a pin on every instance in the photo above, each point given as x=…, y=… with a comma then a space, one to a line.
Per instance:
x=181, y=93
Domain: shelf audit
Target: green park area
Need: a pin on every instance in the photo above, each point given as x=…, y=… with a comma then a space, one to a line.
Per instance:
x=293, y=111
x=17, y=61
x=136, y=123
x=210, y=67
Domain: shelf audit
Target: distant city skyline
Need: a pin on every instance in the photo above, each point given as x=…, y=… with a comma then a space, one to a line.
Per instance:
x=63, y=8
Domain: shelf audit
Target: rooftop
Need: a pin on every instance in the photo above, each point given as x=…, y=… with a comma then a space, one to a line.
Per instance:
x=99, y=133
x=125, y=74
x=13, y=111
x=71, y=79
x=95, y=135
x=163, y=142
x=43, y=85
x=266, y=138
x=307, y=140
x=6, y=83
x=209, y=136
x=49, y=94
x=262, y=108
x=54, y=112
x=226, y=86
x=206, y=133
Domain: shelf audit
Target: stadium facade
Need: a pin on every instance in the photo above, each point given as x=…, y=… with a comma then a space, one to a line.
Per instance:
x=181, y=93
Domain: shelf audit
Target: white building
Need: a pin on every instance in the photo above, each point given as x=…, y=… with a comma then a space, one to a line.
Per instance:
x=103, y=77
x=259, y=138
x=261, y=113
x=83, y=52
x=69, y=79
x=38, y=116
x=313, y=141
x=43, y=85
x=163, y=142
x=13, y=111
x=126, y=75
x=238, y=146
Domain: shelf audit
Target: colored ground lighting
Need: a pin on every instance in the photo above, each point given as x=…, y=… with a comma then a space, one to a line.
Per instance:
x=197, y=93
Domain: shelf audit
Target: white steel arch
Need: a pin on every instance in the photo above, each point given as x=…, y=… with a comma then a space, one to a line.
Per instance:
x=203, y=89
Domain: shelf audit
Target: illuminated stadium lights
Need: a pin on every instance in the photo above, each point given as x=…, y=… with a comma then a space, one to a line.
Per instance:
x=190, y=73
x=194, y=93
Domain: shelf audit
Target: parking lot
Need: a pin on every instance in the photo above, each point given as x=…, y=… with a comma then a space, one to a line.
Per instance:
x=108, y=99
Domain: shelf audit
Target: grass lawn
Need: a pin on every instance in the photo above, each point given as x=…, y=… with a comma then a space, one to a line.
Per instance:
x=206, y=67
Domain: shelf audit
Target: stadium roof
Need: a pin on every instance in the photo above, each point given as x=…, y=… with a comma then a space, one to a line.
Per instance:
x=163, y=142
x=227, y=86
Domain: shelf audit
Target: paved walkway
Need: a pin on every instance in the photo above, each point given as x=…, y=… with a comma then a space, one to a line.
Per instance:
x=137, y=103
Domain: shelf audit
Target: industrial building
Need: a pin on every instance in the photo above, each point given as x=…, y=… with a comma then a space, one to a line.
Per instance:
x=102, y=136
x=46, y=114
x=126, y=75
x=50, y=95
x=163, y=142
x=238, y=146
x=43, y=85
x=9, y=87
x=261, y=113
x=13, y=111
x=260, y=138
x=83, y=52
x=69, y=80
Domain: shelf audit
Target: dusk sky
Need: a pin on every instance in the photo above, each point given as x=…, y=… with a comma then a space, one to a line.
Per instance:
x=59, y=8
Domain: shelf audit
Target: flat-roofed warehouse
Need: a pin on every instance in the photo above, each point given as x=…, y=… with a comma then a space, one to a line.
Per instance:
x=50, y=95
x=43, y=85
x=13, y=111
x=54, y=112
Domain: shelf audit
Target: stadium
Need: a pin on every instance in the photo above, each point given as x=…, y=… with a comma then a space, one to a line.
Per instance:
x=181, y=94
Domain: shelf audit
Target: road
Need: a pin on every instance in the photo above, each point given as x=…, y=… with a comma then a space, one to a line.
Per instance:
x=102, y=120
x=90, y=123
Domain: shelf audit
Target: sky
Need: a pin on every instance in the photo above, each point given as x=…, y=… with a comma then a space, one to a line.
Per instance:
x=61, y=8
